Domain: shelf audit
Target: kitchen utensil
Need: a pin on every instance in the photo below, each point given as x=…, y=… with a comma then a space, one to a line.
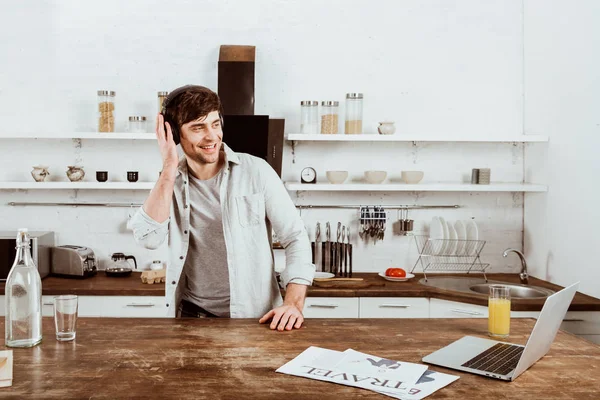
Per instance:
x=327, y=249
x=315, y=245
x=461, y=236
x=412, y=177
x=386, y=128
x=475, y=176
x=343, y=271
x=396, y=279
x=120, y=267
x=436, y=232
x=337, y=279
x=75, y=173
x=75, y=261
x=101, y=176
x=349, y=252
x=484, y=176
x=132, y=176
x=472, y=234
x=323, y=275
x=338, y=254
x=375, y=177
x=336, y=177
x=65, y=317
x=445, y=242
x=39, y=173
x=347, y=284
x=451, y=243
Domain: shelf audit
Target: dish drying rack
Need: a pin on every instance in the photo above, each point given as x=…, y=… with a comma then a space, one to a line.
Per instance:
x=450, y=255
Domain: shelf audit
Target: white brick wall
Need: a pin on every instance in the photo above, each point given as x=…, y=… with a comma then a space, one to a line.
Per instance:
x=432, y=66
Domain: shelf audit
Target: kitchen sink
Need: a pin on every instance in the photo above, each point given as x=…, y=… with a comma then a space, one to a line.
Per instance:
x=516, y=291
x=475, y=285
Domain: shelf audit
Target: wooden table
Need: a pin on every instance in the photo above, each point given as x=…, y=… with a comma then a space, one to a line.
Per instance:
x=237, y=359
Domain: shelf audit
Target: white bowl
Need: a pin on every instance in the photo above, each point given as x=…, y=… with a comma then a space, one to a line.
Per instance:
x=337, y=176
x=375, y=176
x=412, y=177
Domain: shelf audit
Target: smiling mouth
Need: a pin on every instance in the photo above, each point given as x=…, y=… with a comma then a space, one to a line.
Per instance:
x=209, y=147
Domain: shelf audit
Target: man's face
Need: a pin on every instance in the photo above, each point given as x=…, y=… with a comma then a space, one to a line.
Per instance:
x=201, y=139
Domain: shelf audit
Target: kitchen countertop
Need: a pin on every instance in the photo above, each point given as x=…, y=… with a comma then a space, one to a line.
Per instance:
x=237, y=358
x=101, y=285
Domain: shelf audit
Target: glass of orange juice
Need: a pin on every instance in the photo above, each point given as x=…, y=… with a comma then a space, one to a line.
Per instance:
x=499, y=311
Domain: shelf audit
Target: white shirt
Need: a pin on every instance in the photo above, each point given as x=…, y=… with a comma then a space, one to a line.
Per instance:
x=253, y=199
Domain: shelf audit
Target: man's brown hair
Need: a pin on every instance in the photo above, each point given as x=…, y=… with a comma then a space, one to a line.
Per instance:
x=190, y=103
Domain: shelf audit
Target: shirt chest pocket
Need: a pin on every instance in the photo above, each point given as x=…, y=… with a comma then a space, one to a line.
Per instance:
x=250, y=209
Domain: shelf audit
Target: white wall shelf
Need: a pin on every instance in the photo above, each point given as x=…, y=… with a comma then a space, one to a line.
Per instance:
x=414, y=138
x=78, y=185
x=82, y=135
x=422, y=187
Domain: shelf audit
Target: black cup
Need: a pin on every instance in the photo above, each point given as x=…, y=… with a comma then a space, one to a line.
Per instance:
x=132, y=176
x=101, y=176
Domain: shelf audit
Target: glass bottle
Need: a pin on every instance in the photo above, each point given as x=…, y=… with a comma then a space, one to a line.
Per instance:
x=162, y=96
x=354, y=113
x=106, y=111
x=329, y=117
x=309, y=117
x=23, y=292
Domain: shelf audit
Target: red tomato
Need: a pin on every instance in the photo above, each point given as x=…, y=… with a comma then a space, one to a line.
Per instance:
x=395, y=272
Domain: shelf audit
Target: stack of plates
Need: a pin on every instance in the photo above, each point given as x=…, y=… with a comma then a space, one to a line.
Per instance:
x=453, y=239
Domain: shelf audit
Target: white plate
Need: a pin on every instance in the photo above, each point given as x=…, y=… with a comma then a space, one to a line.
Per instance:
x=445, y=244
x=472, y=234
x=436, y=231
x=452, y=244
x=324, y=275
x=392, y=279
x=461, y=235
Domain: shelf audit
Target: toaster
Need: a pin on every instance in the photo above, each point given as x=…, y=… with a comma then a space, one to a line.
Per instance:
x=74, y=261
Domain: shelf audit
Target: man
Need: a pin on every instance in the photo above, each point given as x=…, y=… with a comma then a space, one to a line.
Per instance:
x=217, y=207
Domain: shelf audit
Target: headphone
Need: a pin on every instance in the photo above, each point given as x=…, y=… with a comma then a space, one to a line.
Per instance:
x=168, y=100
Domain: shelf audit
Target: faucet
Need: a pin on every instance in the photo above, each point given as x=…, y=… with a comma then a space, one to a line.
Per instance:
x=523, y=275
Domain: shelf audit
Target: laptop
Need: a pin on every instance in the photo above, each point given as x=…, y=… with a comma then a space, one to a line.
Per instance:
x=502, y=360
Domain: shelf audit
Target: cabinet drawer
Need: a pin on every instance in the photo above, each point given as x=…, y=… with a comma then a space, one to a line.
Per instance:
x=331, y=307
x=122, y=306
x=452, y=309
x=394, y=307
x=582, y=322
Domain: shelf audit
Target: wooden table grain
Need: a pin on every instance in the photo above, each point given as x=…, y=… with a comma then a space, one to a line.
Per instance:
x=237, y=359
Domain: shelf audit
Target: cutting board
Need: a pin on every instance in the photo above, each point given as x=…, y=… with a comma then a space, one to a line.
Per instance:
x=346, y=284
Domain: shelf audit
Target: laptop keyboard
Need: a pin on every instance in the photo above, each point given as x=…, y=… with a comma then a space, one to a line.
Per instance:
x=499, y=359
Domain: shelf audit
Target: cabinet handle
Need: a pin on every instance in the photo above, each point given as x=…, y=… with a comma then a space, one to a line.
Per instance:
x=48, y=304
x=393, y=306
x=323, y=305
x=456, y=310
x=573, y=320
x=140, y=305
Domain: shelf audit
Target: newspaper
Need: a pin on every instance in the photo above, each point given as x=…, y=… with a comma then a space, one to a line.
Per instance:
x=326, y=365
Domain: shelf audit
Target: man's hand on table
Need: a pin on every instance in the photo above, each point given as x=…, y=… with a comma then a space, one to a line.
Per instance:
x=289, y=315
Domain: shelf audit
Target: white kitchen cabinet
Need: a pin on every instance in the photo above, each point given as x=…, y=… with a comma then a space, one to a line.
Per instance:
x=582, y=322
x=331, y=307
x=452, y=309
x=394, y=307
x=122, y=306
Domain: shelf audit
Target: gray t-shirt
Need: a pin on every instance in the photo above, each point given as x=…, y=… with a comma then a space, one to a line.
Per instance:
x=205, y=268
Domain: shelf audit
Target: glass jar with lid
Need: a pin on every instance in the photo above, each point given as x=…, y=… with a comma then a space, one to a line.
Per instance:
x=162, y=96
x=137, y=124
x=329, y=117
x=106, y=111
x=354, y=113
x=309, y=117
